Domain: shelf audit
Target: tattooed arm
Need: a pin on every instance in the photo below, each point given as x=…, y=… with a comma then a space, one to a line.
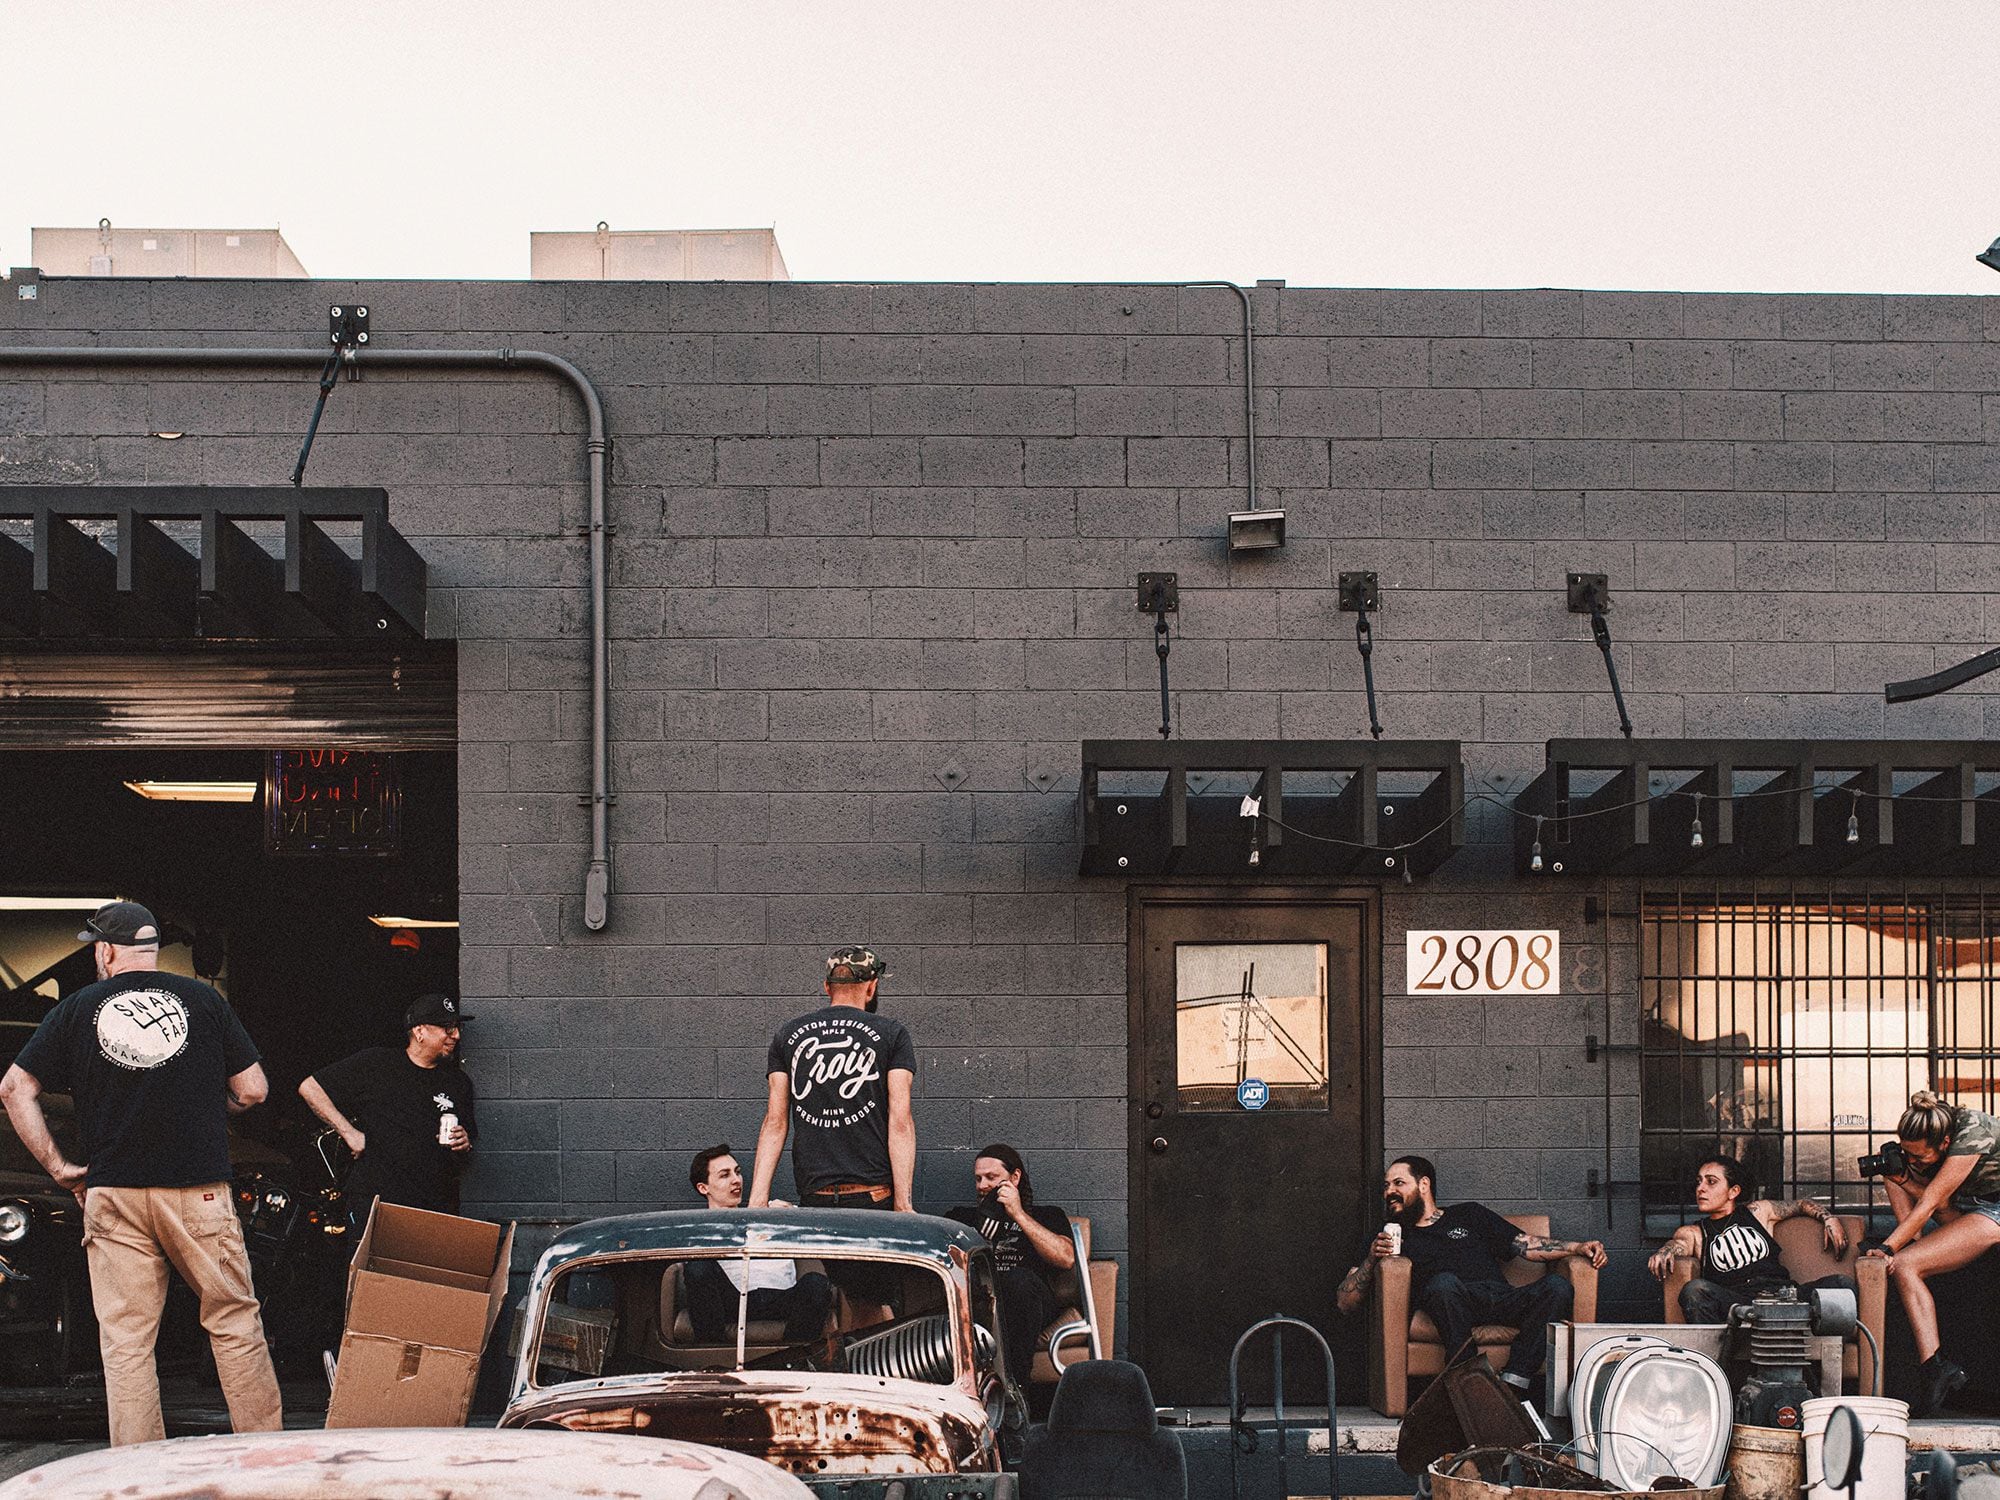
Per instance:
x=1686, y=1242
x=1774, y=1211
x=1353, y=1289
x=1541, y=1247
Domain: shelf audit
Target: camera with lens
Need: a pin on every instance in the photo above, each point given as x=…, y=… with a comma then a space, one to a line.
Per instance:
x=1890, y=1161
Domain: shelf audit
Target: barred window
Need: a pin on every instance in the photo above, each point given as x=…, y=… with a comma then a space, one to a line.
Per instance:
x=1790, y=1033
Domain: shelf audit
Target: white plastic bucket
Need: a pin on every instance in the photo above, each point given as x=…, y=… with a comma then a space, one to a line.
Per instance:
x=1885, y=1455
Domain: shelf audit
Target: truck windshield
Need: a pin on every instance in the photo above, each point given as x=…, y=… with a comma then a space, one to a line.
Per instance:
x=681, y=1313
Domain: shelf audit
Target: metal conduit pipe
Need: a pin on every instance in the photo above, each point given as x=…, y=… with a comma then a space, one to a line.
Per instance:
x=597, y=879
x=1249, y=385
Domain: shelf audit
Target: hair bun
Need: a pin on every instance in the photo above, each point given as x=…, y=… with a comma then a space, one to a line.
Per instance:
x=1924, y=1099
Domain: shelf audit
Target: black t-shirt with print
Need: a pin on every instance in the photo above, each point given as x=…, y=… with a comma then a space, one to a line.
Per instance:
x=1738, y=1252
x=397, y=1105
x=1012, y=1249
x=838, y=1060
x=1469, y=1240
x=147, y=1057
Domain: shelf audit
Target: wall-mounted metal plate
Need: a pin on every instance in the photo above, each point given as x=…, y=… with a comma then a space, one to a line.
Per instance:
x=347, y=324
x=1587, y=592
x=1359, y=591
x=1159, y=592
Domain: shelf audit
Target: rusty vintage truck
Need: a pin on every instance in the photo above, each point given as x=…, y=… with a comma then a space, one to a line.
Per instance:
x=901, y=1391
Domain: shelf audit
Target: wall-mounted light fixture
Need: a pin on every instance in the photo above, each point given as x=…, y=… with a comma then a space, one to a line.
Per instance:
x=1256, y=530
x=1590, y=594
x=195, y=791
x=1359, y=593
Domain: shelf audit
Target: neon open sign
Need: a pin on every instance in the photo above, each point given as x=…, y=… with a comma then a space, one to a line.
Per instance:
x=332, y=802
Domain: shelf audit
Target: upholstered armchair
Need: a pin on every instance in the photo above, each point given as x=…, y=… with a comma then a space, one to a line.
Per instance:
x=1404, y=1344
x=1102, y=1279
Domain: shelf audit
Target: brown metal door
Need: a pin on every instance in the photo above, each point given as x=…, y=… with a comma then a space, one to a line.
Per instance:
x=1254, y=1063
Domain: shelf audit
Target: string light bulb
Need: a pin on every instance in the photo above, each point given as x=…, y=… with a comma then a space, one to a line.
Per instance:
x=1535, y=853
x=1695, y=840
x=1854, y=820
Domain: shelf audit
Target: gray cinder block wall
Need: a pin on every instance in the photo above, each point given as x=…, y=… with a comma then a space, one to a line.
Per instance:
x=869, y=536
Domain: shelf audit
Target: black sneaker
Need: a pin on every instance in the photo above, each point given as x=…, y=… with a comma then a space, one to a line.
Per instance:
x=1938, y=1380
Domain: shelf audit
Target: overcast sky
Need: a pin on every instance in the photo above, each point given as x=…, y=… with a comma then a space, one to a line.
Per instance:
x=1761, y=144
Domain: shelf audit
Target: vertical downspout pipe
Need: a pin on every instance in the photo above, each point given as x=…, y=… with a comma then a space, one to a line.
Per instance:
x=1249, y=385
x=597, y=878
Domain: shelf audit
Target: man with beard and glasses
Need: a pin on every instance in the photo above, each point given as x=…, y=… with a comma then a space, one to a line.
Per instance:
x=1456, y=1254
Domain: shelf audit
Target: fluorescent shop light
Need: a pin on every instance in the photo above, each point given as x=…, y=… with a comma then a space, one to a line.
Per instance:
x=195, y=791
x=411, y=922
x=54, y=903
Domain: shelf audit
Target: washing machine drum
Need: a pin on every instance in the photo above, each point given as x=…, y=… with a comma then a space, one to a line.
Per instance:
x=1595, y=1367
x=1660, y=1412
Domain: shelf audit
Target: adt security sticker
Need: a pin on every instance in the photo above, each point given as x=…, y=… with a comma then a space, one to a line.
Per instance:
x=1253, y=1093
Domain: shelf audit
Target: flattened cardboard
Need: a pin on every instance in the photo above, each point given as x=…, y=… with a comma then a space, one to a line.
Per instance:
x=423, y=1292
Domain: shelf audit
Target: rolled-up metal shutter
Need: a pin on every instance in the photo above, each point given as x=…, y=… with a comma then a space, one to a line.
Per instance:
x=240, y=696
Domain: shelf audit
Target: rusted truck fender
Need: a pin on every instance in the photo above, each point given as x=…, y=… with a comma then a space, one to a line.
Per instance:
x=829, y=1424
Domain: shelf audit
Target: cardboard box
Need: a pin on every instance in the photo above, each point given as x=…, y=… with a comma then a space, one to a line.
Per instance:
x=574, y=1339
x=422, y=1296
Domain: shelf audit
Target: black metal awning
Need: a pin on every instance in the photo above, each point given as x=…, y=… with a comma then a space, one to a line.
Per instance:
x=1367, y=808
x=59, y=581
x=1750, y=807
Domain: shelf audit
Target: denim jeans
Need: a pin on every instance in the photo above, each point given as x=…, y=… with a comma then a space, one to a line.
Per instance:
x=1458, y=1306
x=1710, y=1301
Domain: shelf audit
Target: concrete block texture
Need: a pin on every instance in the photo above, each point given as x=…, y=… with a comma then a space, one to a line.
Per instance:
x=874, y=582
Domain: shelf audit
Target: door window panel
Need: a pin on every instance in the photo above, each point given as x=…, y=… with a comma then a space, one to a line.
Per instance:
x=1250, y=1011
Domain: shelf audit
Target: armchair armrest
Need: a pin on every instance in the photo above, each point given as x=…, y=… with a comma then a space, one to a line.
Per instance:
x=1679, y=1274
x=1582, y=1276
x=1389, y=1335
x=1871, y=1282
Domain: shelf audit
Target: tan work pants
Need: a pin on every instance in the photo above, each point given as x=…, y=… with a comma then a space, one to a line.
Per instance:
x=131, y=1235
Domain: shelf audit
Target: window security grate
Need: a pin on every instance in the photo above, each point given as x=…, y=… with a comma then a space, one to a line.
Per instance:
x=1790, y=1030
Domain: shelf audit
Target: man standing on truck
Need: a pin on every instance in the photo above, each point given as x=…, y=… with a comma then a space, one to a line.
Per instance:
x=840, y=1081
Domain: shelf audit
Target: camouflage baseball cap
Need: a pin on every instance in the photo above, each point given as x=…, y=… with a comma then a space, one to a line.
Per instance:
x=854, y=966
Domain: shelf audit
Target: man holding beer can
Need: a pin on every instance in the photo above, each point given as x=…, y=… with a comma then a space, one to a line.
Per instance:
x=407, y=1114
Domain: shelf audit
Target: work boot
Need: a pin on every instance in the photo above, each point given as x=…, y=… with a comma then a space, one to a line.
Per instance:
x=1938, y=1379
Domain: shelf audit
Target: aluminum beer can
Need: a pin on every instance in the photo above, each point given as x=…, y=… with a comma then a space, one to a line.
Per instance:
x=1395, y=1233
x=447, y=1123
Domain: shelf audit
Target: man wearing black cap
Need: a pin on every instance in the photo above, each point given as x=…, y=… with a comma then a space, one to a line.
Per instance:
x=156, y=1063
x=406, y=1113
x=841, y=1074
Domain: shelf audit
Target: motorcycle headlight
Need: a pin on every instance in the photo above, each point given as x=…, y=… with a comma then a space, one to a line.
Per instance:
x=14, y=1222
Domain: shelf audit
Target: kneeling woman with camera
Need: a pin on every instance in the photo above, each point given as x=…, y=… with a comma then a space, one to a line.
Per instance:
x=1950, y=1171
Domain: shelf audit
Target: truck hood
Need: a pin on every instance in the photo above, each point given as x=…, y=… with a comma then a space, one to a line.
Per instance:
x=803, y=1423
